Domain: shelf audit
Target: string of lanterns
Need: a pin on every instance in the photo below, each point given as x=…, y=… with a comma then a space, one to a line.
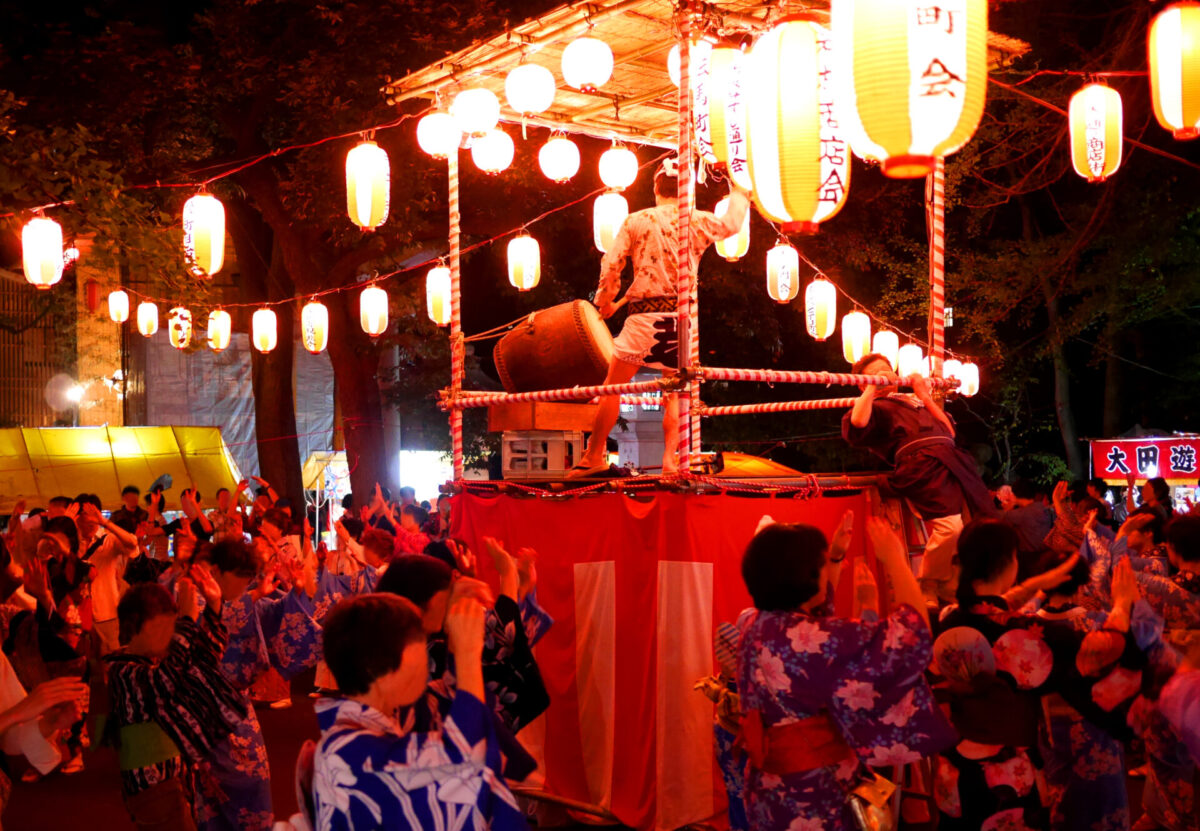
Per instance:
x=799, y=176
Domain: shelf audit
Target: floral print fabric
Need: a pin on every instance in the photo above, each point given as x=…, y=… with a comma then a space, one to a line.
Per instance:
x=867, y=676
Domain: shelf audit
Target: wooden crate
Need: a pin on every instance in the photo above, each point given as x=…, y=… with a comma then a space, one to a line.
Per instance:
x=540, y=454
x=552, y=415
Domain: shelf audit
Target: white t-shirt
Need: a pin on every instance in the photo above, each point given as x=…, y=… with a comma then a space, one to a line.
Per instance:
x=109, y=561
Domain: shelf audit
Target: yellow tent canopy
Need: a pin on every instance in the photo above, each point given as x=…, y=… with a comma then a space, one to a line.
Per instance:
x=37, y=464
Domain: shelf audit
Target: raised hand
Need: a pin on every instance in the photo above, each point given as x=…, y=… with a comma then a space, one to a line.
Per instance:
x=1056, y=576
x=464, y=628
x=37, y=581
x=505, y=566
x=866, y=590
x=840, y=544
x=1089, y=524
x=185, y=597
x=1124, y=584
x=888, y=545
x=526, y=571
x=208, y=587
x=464, y=557
x=469, y=587
x=47, y=695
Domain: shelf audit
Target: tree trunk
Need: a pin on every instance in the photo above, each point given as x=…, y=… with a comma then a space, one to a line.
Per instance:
x=355, y=362
x=271, y=373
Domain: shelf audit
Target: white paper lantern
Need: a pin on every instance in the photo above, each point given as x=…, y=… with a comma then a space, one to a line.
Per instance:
x=700, y=49
x=735, y=247
x=587, y=64
x=608, y=212
x=969, y=379
x=559, y=159
x=856, y=336
x=820, y=308
x=493, y=151
x=909, y=360
x=264, y=330
x=437, y=295
x=204, y=234
x=42, y=252
x=179, y=327
x=373, y=311
x=147, y=318
x=1174, y=49
x=220, y=329
x=314, y=326
x=368, y=185
x=475, y=111
x=524, y=262
x=952, y=368
x=783, y=273
x=438, y=135
x=618, y=167
x=118, y=306
x=529, y=89
x=887, y=344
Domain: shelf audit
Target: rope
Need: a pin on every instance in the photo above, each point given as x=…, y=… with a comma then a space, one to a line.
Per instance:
x=779, y=407
x=457, y=400
x=780, y=376
x=936, y=201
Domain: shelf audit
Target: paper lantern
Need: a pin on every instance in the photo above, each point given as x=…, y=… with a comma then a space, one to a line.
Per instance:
x=783, y=273
x=700, y=49
x=220, y=329
x=493, y=151
x=1096, y=132
x=475, y=111
x=909, y=360
x=587, y=64
x=204, y=234
x=42, y=252
x=1174, y=46
x=608, y=212
x=118, y=305
x=726, y=113
x=438, y=135
x=368, y=185
x=264, y=330
x=735, y=247
x=856, y=336
x=559, y=159
x=968, y=379
x=314, y=326
x=529, y=89
x=147, y=318
x=952, y=368
x=373, y=311
x=179, y=327
x=912, y=78
x=887, y=344
x=524, y=262
x=437, y=295
x=797, y=149
x=820, y=308
x=618, y=167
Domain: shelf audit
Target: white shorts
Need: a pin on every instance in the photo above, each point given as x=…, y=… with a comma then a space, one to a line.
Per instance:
x=649, y=339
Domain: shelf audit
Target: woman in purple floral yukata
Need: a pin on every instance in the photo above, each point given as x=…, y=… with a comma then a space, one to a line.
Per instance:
x=825, y=696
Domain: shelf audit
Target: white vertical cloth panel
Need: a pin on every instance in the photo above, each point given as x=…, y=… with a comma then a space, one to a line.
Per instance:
x=684, y=745
x=596, y=672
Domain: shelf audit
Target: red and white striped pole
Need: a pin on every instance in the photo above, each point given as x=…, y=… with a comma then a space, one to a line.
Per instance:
x=683, y=251
x=457, y=357
x=935, y=197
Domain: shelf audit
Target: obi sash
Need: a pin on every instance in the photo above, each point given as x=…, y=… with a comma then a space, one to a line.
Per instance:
x=798, y=747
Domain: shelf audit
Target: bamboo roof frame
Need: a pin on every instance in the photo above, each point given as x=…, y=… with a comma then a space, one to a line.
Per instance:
x=639, y=104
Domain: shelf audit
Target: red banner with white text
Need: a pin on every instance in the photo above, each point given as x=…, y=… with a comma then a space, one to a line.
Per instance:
x=1174, y=458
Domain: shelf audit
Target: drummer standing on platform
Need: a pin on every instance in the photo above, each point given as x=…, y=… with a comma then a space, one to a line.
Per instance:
x=650, y=337
x=939, y=479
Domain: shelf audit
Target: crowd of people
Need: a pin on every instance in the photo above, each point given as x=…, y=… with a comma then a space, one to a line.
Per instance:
x=1058, y=654
x=158, y=636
